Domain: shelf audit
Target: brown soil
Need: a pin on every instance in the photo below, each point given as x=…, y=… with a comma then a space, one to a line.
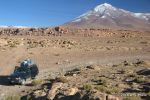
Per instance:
x=61, y=53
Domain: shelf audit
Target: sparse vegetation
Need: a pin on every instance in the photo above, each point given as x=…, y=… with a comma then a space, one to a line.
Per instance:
x=140, y=79
x=15, y=97
x=36, y=82
x=104, y=89
x=13, y=43
x=144, y=42
x=61, y=79
x=87, y=87
x=101, y=88
x=113, y=90
x=94, y=80
x=132, y=98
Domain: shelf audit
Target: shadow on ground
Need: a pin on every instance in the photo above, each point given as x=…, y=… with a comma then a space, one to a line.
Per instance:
x=4, y=80
x=31, y=95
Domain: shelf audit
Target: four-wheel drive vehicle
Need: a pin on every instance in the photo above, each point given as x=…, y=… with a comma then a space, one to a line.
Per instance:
x=27, y=70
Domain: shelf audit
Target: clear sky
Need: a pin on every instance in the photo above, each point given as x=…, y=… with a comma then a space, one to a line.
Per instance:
x=42, y=13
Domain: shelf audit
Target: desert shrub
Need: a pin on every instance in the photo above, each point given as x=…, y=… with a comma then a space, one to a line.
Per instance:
x=115, y=65
x=36, y=82
x=31, y=53
x=13, y=43
x=144, y=42
x=61, y=79
x=33, y=45
x=101, y=88
x=17, y=42
x=87, y=87
x=132, y=98
x=57, y=54
x=140, y=80
x=112, y=90
x=15, y=97
x=148, y=93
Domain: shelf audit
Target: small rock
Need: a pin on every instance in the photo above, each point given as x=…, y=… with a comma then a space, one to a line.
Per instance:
x=58, y=63
x=129, y=80
x=125, y=63
x=111, y=97
x=52, y=93
x=39, y=93
x=74, y=75
x=135, y=85
x=72, y=91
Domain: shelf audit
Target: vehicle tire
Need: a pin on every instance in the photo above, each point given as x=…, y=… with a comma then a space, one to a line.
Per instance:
x=34, y=70
x=10, y=82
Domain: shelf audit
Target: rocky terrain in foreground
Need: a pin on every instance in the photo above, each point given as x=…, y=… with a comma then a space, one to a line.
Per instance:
x=124, y=81
x=104, y=61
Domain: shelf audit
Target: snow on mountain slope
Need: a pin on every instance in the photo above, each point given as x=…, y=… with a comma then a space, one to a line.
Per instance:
x=3, y=26
x=107, y=16
x=109, y=10
x=145, y=16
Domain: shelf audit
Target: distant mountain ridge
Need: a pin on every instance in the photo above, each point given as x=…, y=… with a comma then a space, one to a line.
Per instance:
x=108, y=16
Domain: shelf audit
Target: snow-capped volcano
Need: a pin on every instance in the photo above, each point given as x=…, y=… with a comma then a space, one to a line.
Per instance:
x=108, y=16
x=101, y=8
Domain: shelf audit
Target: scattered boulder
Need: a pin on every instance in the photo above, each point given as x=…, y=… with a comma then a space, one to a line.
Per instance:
x=73, y=72
x=129, y=79
x=126, y=63
x=71, y=91
x=39, y=93
x=52, y=93
x=111, y=97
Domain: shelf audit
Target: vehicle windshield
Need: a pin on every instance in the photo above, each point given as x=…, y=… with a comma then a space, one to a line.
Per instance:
x=21, y=69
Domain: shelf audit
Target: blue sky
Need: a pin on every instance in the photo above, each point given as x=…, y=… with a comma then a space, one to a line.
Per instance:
x=42, y=13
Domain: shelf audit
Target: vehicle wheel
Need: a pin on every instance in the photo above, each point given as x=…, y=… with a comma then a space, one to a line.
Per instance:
x=34, y=70
x=10, y=83
x=22, y=81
